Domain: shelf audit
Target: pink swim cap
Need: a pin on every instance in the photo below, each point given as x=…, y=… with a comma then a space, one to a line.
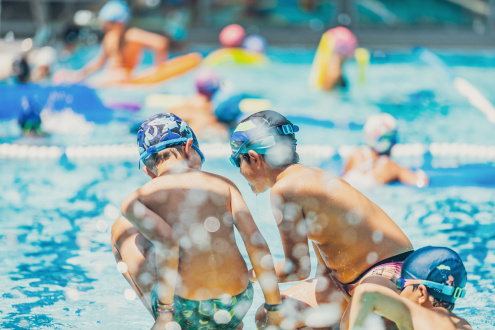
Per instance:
x=207, y=82
x=232, y=35
x=345, y=42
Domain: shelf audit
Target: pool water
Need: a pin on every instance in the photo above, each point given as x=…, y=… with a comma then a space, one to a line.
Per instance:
x=56, y=263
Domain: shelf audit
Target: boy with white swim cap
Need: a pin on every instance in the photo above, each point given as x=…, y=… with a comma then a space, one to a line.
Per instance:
x=177, y=241
x=122, y=46
x=432, y=279
x=371, y=165
x=354, y=240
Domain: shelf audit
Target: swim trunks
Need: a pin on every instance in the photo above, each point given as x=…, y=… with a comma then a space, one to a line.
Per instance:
x=224, y=313
x=389, y=268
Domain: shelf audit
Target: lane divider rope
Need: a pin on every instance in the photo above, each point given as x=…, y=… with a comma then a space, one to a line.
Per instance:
x=222, y=150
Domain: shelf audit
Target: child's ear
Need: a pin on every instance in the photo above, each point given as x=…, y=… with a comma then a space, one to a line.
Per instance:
x=149, y=172
x=422, y=294
x=255, y=158
x=186, y=149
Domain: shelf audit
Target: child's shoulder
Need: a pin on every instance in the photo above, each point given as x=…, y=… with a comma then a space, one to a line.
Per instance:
x=220, y=178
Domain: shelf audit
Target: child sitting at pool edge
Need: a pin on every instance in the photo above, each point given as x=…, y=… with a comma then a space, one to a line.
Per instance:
x=177, y=237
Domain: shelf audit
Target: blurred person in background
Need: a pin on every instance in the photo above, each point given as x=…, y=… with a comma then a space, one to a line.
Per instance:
x=355, y=241
x=177, y=237
x=121, y=46
x=232, y=36
x=198, y=109
x=371, y=165
x=21, y=71
x=344, y=44
x=432, y=279
x=43, y=61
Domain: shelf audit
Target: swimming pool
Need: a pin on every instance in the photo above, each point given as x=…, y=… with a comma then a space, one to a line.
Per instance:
x=57, y=267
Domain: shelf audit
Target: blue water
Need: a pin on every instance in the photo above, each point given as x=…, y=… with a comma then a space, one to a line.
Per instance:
x=56, y=264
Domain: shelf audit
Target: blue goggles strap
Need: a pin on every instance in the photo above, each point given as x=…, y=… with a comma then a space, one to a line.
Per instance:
x=287, y=129
x=447, y=290
x=165, y=144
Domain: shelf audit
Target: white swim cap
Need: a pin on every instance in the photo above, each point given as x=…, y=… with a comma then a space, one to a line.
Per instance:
x=116, y=11
x=45, y=56
x=380, y=132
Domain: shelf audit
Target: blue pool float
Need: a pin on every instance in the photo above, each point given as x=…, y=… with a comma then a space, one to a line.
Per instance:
x=80, y=99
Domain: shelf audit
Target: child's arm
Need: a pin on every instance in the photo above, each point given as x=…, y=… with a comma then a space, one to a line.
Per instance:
x=372, y=298
x=159, y=44
x=293, y=232
x=258, y=252
x=417, y=178
x=93, y=66
x=166, y=244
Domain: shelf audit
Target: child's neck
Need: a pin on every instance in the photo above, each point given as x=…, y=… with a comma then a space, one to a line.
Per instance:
x=174, y=166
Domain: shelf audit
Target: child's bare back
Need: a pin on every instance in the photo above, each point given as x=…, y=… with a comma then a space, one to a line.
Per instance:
x=197, y=205
x=177, y=236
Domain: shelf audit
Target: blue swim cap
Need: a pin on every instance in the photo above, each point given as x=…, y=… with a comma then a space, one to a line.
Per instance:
x=255, y=43
x=436, y=264
x=116, y=11
x=162, y=131
x=260, y=132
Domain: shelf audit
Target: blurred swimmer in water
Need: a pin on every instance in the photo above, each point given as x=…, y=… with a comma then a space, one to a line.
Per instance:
x=121, y=46
x=355, y=241
x=371, y=165
x=21, y=71
x=29, y=119
x=43, y=61
x=432, y=279
x=198, y=108
x=176, y=238
x=344, y=44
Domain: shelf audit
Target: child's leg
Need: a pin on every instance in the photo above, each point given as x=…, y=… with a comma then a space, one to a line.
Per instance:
x=306, y=300
x=132, y=248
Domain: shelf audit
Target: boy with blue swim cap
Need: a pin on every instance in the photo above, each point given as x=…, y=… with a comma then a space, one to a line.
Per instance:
x=175, y=243
x=432, y=279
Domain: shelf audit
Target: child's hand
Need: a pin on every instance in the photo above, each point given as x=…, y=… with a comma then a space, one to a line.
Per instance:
x=252, y=276
x=165, y=321
x=422, y=179
x=273, y=320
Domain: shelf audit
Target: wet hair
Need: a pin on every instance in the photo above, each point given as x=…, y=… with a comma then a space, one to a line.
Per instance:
x=21, y=69
x=438, y=302
x=71, y=34
x=156, y=159
x=288, y=141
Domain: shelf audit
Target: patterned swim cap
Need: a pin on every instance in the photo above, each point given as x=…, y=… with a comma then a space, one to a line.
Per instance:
x=380, y=132
x=162, y=131
x=116, y=11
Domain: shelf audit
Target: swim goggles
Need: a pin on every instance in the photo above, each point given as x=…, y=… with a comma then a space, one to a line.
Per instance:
x=261, y=145
x=447, y=290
